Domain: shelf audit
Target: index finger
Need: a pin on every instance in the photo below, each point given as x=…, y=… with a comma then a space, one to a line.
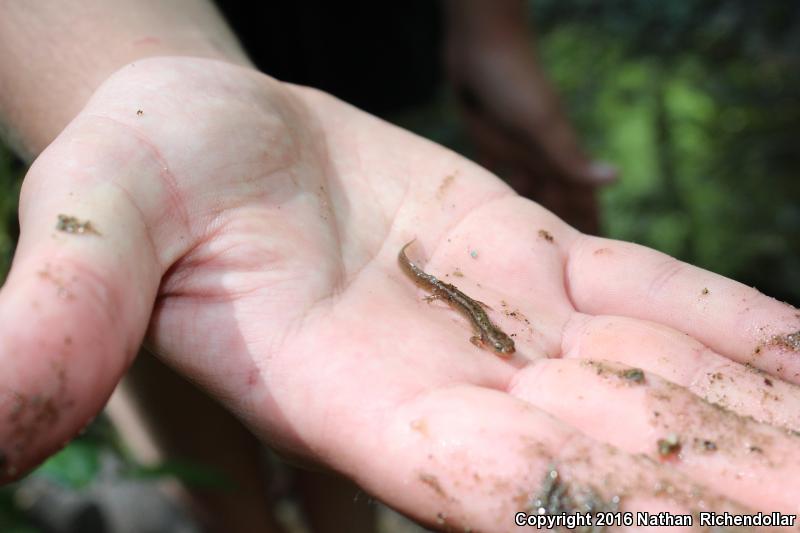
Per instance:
x=610, y=277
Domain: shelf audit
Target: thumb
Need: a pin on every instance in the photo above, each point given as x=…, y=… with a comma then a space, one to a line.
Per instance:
x=78, y=298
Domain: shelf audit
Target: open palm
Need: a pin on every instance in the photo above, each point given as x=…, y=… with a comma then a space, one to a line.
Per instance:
x=250, y=229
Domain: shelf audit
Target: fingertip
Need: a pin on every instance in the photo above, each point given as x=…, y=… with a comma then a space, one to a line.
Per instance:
x=602, y=173
x=70, y=323
x=59, y=360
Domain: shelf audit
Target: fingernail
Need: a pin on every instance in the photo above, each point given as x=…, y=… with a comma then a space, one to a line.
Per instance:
x=603, y=172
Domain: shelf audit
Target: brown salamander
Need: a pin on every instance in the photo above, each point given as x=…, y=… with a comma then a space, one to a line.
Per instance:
x=489, y=335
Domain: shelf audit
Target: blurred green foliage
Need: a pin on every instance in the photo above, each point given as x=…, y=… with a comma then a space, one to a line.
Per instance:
x=11, y=171
x=75, y=467
x=697, y=103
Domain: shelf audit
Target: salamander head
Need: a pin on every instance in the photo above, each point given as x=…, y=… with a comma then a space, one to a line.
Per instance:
x=501, y=343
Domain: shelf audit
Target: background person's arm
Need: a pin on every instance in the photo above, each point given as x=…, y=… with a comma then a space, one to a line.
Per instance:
x=56, y=54
x=512, y=113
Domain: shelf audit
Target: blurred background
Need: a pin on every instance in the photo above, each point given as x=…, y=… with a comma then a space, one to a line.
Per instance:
x=696, y=103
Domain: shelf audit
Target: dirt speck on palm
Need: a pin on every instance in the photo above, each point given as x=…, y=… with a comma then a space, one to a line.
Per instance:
x=70, y=224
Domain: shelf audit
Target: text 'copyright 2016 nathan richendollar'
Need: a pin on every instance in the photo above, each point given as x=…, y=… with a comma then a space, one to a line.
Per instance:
x=623, y=519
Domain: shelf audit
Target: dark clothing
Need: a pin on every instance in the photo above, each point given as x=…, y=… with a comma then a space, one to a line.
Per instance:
x=379, y=56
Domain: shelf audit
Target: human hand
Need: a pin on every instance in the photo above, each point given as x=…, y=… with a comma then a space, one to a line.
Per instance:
x=252, y=228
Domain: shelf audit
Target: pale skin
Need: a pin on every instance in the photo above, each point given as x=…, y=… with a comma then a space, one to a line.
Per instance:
x=249, y=231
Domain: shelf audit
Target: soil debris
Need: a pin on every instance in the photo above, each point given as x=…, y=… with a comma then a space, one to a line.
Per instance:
x=558, y=497
x=433, y=482
x=790, y=341
x=635, y=375
x=670, y=446
x=70, y=224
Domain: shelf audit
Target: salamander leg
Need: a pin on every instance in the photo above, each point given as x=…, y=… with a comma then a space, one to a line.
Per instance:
x=483, y=305
x=477, y=341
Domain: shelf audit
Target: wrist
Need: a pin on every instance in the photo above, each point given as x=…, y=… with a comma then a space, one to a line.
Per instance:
x=58, y=55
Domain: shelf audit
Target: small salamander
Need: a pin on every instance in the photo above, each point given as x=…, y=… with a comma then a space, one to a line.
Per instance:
x=489, y=335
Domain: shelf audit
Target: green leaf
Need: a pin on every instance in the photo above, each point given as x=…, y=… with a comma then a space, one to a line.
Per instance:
x=191, y=474
x=75, y=466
